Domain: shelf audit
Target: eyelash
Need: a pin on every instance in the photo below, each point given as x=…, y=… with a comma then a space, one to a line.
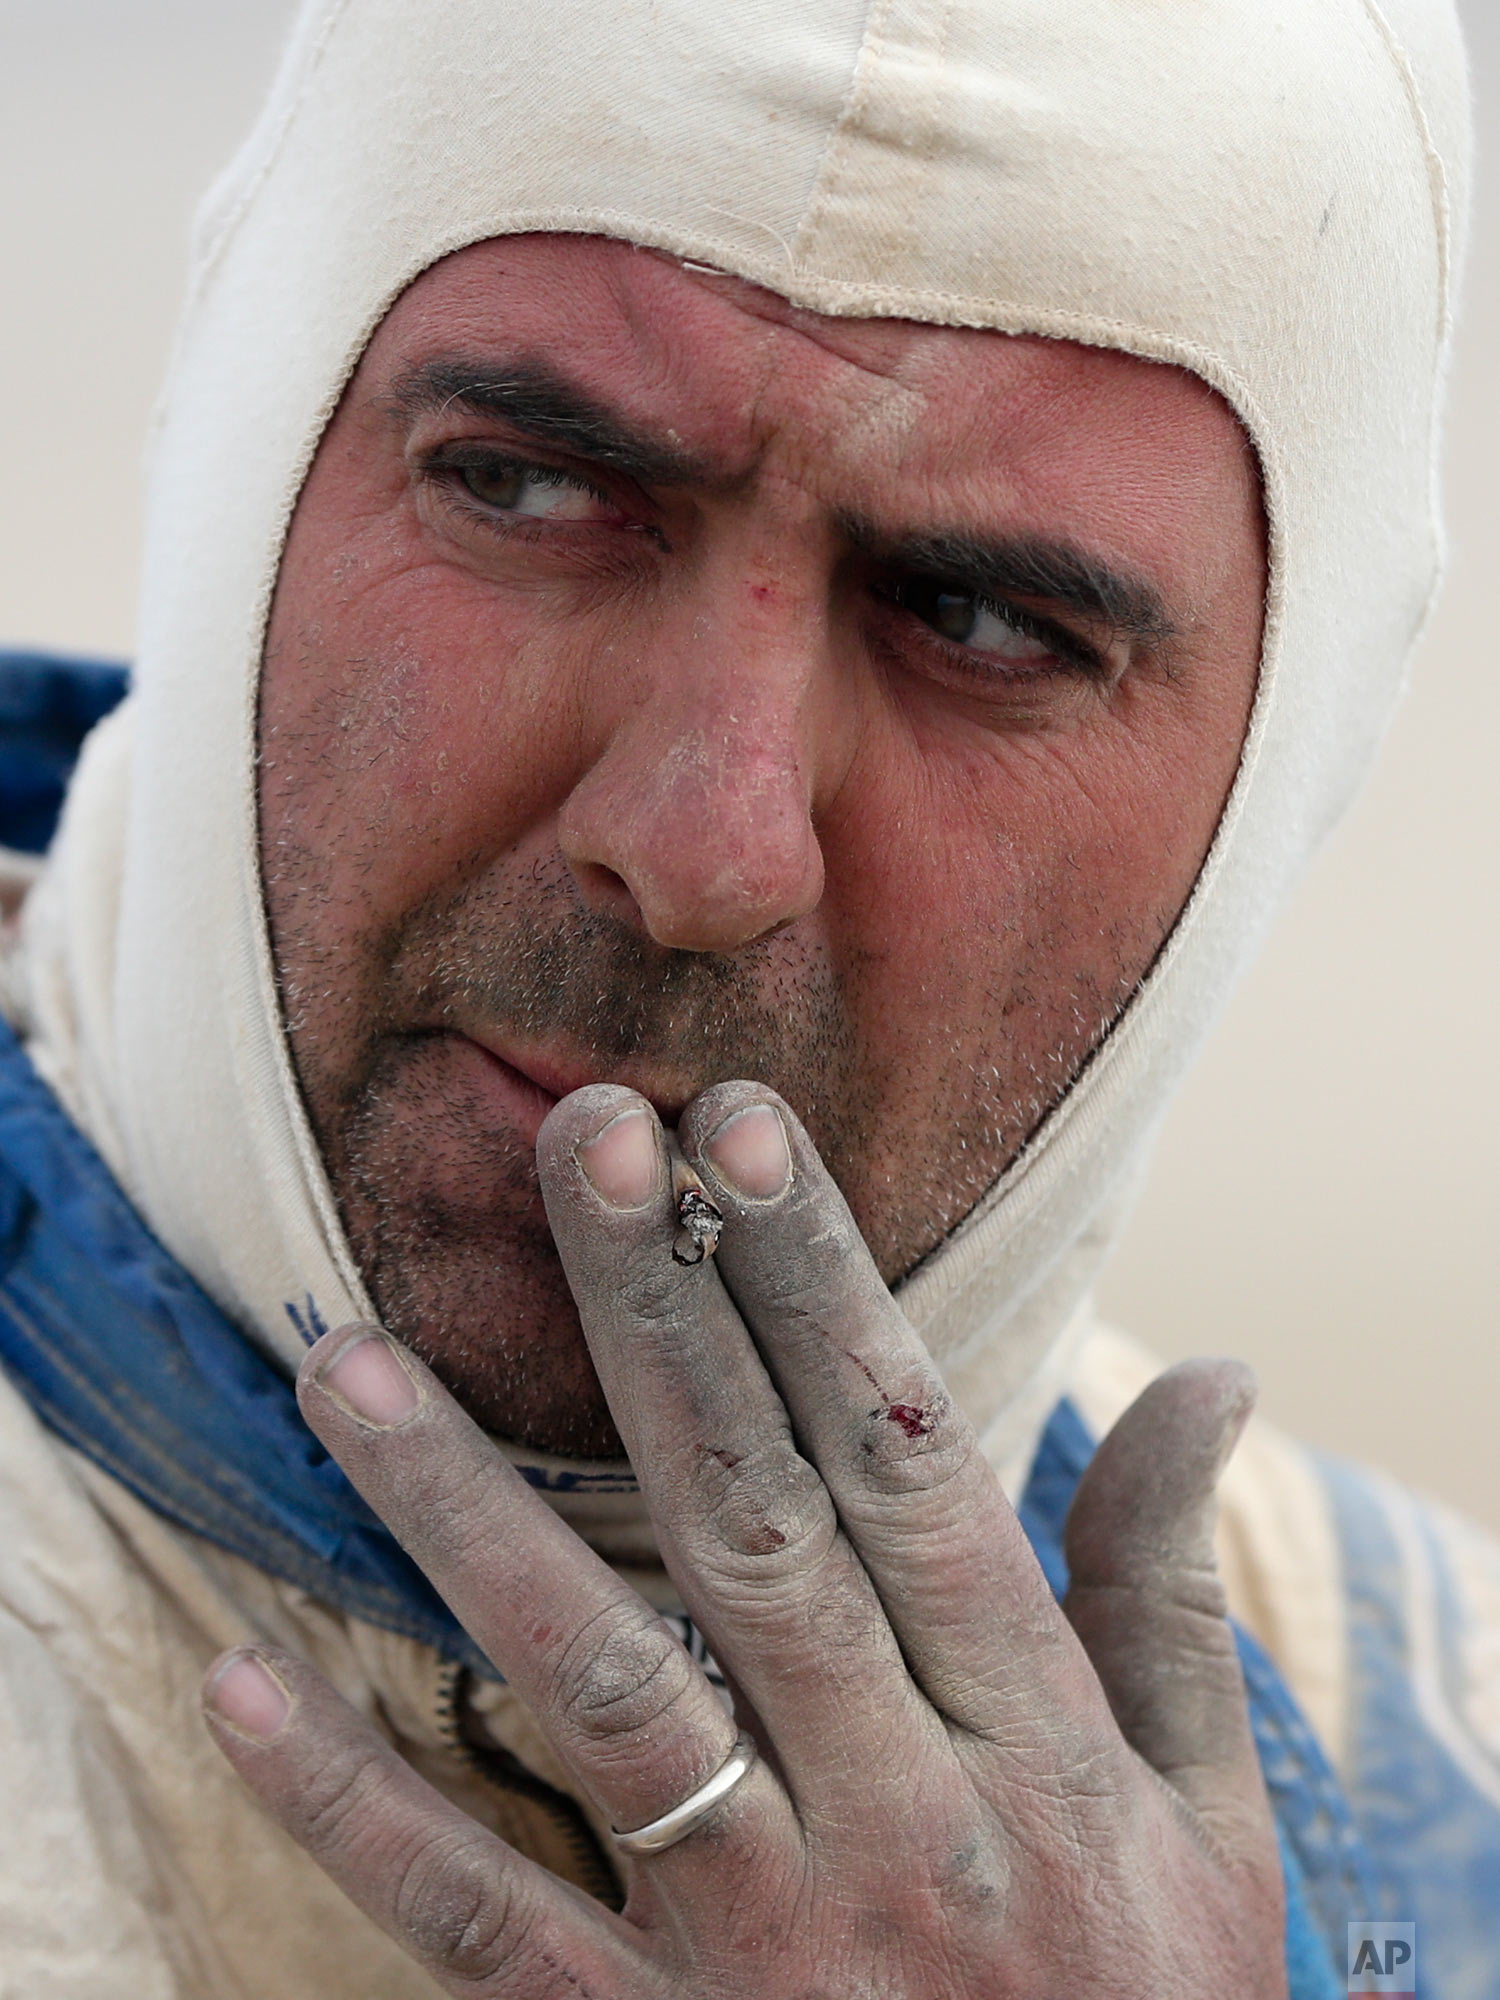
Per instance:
x=1075, y=654
x=445, y=469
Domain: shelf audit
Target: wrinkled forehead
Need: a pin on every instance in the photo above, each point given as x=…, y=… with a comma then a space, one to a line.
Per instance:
x=670, y=331
x=633, y=357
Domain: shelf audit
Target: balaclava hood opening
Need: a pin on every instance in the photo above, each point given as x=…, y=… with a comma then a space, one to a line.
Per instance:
x=1269, y=195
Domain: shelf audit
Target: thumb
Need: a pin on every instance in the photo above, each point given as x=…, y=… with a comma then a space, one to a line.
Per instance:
x=1145, y=1597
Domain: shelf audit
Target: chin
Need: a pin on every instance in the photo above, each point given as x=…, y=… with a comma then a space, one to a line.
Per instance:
x=498, y=1327
x=548, y=1402
x=441, y=1206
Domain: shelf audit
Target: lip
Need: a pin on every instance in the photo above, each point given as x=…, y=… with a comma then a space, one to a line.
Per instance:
x=537, y=1080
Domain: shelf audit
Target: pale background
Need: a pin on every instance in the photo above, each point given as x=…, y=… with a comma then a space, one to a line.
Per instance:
x=1323, y=1200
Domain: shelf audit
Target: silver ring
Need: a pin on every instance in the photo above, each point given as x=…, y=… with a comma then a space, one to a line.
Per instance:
x=677, y=1824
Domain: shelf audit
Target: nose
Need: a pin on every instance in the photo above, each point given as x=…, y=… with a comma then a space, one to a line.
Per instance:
x=696, y=820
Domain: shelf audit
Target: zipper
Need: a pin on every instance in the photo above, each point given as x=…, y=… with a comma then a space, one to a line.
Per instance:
x=505, y=1771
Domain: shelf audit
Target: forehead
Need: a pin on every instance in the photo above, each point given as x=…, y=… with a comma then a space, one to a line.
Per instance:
x=728, y=372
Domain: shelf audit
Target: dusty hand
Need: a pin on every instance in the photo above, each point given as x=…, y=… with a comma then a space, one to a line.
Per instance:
x=962, y=1791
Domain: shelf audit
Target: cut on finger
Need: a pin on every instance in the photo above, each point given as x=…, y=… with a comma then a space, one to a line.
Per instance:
x=745, y=1524
x=915, y=1495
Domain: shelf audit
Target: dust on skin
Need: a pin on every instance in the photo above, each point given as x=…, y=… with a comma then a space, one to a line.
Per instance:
x=669, y=790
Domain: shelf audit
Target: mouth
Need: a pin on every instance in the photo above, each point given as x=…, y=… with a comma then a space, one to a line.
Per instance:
x=527, y=1082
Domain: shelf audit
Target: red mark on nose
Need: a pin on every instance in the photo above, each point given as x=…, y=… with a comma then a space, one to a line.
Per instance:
x=916, y=1423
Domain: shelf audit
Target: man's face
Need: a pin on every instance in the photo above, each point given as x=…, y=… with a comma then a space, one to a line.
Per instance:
x=665, y=686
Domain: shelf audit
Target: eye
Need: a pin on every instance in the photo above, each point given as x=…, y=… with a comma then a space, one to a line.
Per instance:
x=539, y=492
x=976, y=623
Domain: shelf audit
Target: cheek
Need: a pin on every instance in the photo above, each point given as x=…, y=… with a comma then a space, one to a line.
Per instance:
x=408, y=734
x=1040, y=867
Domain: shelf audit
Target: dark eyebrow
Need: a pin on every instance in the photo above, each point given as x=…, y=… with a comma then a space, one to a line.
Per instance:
x=531, y=397
x=1059, y=572
x=545, y=406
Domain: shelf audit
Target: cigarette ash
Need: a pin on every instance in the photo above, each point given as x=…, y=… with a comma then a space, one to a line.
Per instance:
x=699, y=1225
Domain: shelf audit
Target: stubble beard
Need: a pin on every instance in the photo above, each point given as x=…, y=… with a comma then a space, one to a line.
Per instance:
x=439, y=1198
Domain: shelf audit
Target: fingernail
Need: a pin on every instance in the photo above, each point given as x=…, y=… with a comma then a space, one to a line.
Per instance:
x=367, y=1377
x=623, y=1161
x=749, y=1153
x=249, y=1696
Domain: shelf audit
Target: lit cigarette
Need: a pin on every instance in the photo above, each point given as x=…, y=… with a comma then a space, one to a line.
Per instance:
x=699, y=1224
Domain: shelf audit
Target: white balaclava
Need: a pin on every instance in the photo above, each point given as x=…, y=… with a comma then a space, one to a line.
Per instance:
x=1267, y=192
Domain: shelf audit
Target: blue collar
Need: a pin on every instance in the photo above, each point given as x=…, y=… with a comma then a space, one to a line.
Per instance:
x=120, y=1352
